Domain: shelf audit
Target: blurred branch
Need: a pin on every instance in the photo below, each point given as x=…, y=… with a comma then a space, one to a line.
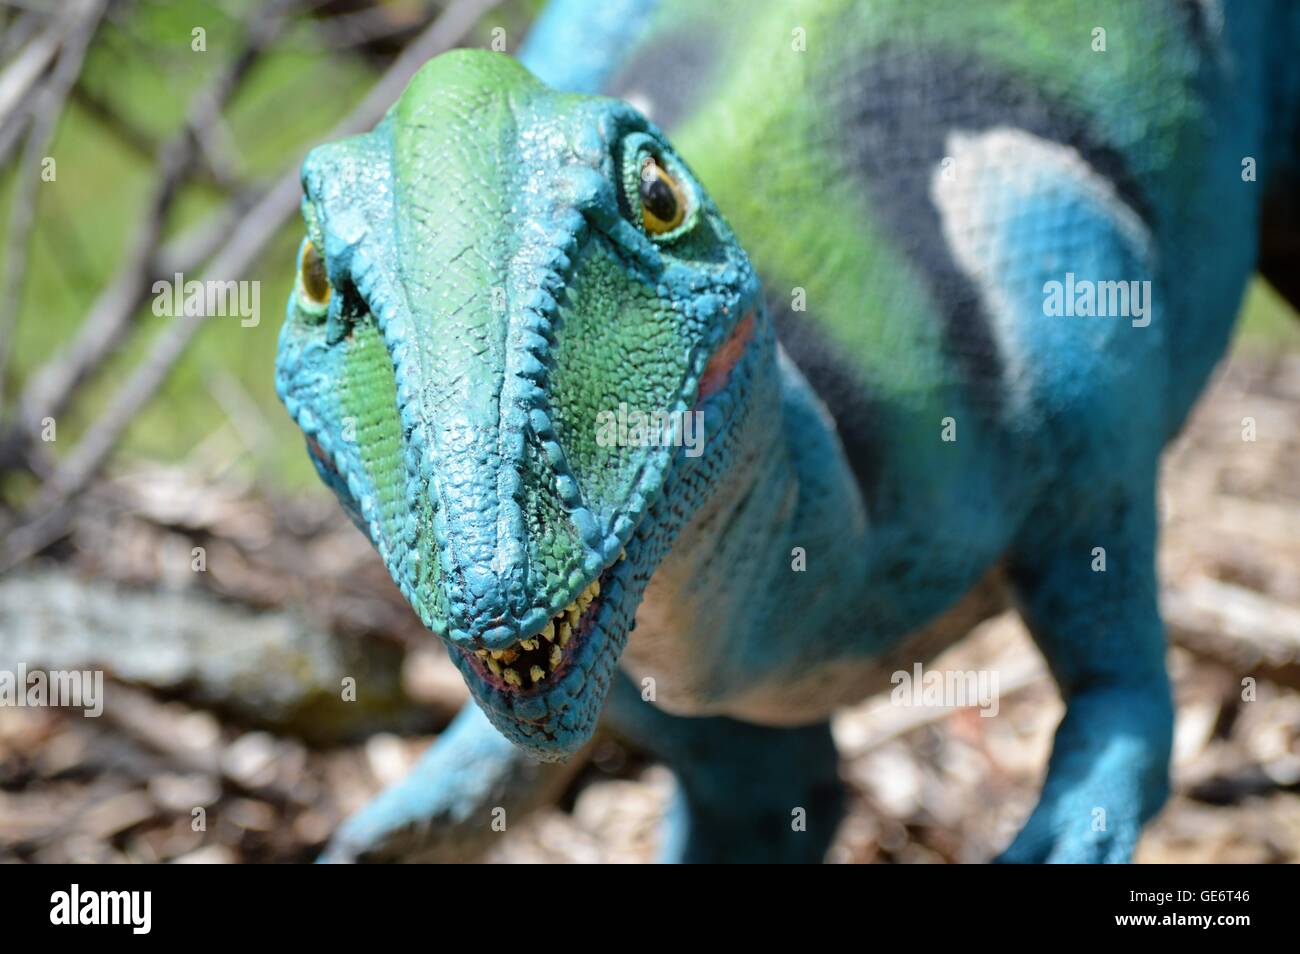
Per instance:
x=19, y=27
x=51, y=388
x=1245, y=631
x=365, y=27
x=46, y=110
x=50, y=514
x=21, y=76
x=216, y=169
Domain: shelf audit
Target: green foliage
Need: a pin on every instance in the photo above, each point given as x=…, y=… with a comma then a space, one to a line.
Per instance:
x=1267, y=322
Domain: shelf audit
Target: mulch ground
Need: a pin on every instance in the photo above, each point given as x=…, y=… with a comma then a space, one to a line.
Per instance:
x=177, y=770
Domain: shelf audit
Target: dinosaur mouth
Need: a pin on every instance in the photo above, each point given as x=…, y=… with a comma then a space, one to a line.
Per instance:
x=527, y=665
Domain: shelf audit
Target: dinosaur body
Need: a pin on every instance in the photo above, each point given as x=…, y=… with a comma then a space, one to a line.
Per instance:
x=889, y=190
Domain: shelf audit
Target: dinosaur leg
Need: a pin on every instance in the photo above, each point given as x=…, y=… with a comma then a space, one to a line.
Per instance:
x=1101, y=632
x=469, y=787
x=1038, y=226
x=745, y=793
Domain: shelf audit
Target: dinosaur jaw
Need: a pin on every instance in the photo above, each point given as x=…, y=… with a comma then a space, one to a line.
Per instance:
x=541, y=661
x=555, y=660
x=552, y=718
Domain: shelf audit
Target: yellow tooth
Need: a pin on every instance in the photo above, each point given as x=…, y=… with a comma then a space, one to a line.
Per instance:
x=595, y=588
x=512, y=678
x=538, y=673
x=481, y=653
x=564, y=634
x=573, y=614
x=548, y=633
x=494, y=666
x=497, y=654
x=509, y=655
x=528, y=643
x=622, y=553
x=557, y=655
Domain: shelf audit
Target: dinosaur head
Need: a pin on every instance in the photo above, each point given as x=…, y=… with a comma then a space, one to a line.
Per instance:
x=510, y=305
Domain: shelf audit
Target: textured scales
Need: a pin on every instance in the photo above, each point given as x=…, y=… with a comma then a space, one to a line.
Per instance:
x=905, y=180
x=513, y=310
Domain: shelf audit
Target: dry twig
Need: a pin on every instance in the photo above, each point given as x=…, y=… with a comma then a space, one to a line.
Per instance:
x=46, y=110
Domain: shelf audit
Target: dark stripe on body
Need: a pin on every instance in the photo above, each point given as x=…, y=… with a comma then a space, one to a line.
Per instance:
x=838, y=385
x=1195, y=24
x=674, y=71
x=896, y=110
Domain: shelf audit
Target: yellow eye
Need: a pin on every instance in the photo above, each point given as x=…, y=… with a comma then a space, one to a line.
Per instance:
x=663, y=201
x=315, y=283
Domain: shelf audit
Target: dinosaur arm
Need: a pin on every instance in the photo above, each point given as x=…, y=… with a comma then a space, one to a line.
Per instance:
x=465, y=789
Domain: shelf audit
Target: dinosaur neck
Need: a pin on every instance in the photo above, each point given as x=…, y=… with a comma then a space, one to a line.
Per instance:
x=784, y=522
x=827, y=521
x=793, y=498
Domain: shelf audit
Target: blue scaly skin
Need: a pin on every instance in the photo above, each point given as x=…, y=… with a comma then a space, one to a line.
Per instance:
x=509, y=254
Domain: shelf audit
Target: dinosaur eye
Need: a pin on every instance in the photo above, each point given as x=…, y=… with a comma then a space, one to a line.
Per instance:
x=663, y=201
x=315, y=284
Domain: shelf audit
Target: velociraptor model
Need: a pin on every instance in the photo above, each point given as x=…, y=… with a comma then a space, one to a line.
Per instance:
x=851, y=259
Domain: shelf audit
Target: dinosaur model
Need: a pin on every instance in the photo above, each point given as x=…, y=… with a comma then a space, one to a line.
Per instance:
x=709, y=363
